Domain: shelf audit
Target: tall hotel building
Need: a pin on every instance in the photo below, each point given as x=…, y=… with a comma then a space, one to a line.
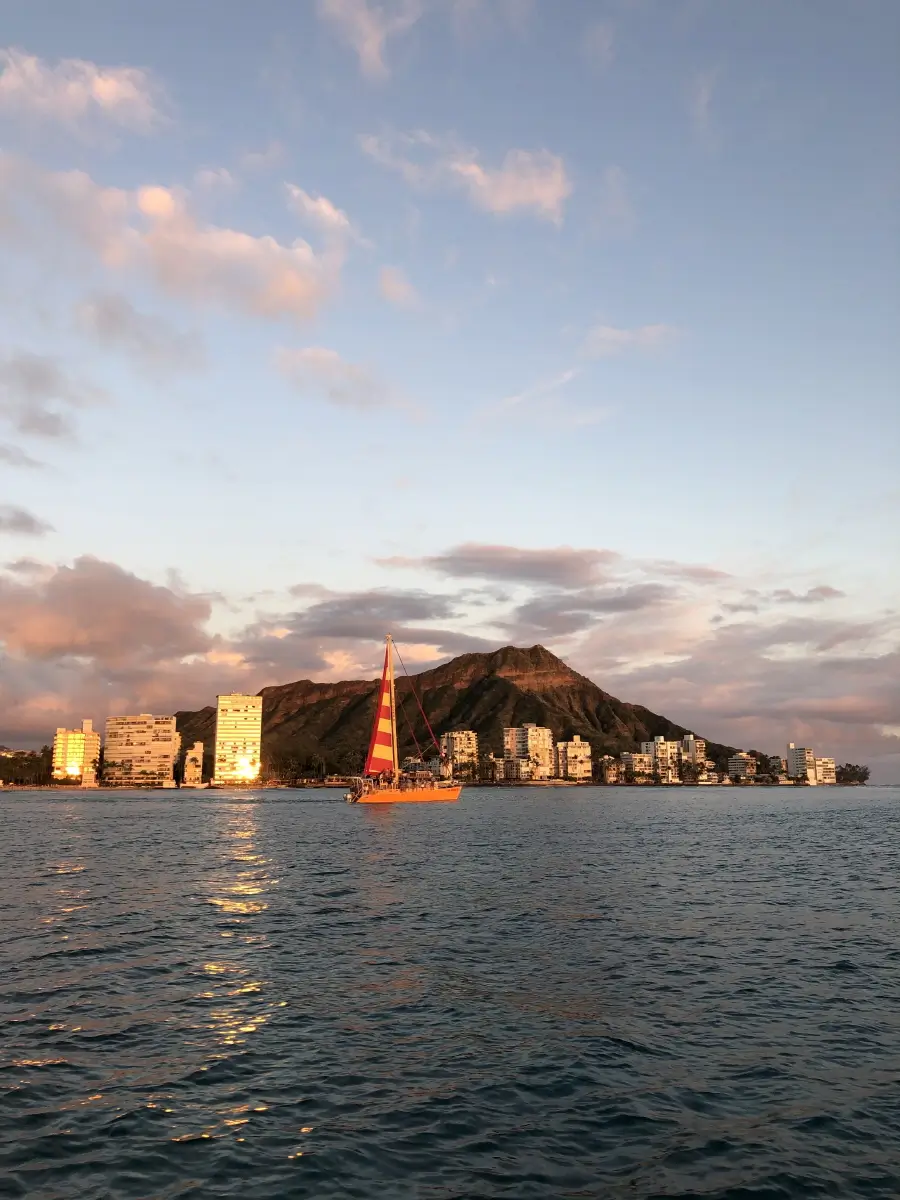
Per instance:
x=140, y=751
x=76, y=752
x=238, y=738
x=531, y=746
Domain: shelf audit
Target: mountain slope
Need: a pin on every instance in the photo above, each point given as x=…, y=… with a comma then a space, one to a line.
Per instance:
x=327, y=725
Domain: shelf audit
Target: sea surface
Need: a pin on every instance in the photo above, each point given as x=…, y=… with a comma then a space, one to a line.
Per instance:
x=532, y=993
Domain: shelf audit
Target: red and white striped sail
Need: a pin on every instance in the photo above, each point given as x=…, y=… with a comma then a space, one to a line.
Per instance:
x=380, y=759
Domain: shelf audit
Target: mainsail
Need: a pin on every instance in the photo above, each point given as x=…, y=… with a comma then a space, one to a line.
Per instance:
x=382, y=756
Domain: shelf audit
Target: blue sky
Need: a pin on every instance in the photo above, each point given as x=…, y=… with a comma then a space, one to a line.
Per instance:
x=485, y=320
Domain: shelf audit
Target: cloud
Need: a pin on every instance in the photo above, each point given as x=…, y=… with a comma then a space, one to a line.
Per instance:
x=14, y=456
x=560, y=566
x=530, y=180
x=815, y=595
x=344, y=383
x=113, y=322
x=319, y=212
x=396, y=288
x=18, y=520
x=85, y=639
x=598, y=44
x=540, y=390
x=214, y=179
x=829, y=684
x=96, y=610
x=604, y=341
x=37, y=396
x=153, y=228
x=272, y=155
x=615, y=211
x=78, y=94
x=367, y=28
x=559, y=614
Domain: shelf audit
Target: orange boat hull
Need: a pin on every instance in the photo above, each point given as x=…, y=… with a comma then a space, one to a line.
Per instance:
x=409, y=795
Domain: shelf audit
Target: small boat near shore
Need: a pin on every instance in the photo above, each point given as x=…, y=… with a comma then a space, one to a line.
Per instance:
x=382, y=781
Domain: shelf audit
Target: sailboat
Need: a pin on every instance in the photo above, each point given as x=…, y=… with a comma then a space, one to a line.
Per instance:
x=382, y=781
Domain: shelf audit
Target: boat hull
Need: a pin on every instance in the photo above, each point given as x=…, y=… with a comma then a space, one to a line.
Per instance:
x=410, y=795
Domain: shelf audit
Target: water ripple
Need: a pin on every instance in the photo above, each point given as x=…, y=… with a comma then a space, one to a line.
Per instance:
x=530, y=994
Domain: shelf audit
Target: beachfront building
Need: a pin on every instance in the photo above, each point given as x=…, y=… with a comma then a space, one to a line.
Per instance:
x=801, y=763
x=193, y=766
x=532, y=744
x=611, y=770
x=638, y=765
x=666, y=758
x=460, y=748
x=826, y=772
x=238, y=738
x=574, y=760
x=742, y=765
x=140, y=751
x=693, y=757
x=76, y=753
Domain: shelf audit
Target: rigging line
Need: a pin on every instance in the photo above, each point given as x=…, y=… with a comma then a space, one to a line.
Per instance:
x=418, y=701
x=410, y=728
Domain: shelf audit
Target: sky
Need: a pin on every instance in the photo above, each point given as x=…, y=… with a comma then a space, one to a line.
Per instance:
x=481, y=322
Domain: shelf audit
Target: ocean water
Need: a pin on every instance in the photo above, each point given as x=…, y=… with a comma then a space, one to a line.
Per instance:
x=532, y=993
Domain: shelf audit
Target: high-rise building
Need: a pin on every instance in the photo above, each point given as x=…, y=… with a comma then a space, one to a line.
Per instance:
x=238, y=738
x=193, y=766
x=76, y=752
x=574, y=759
x=140, y=751
x=826, y=772
x=460, y=746
x=666, y=758
x=801, y=763
x=532, y=744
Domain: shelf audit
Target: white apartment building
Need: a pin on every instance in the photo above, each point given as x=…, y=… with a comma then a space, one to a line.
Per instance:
x=801, y=763
x=460, y=746
x=140, y=751
x=742, y=765
x=826, y=772
x=530, y=743
x=574, y=759
x=238, y=738
x=693, y=751
x=666, y=758
x=193, y=766
x=75, y=752
x=640, y=765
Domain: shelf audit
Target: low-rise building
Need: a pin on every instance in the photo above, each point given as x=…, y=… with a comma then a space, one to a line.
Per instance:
x=574, y=760
x=532, y=744
x=640, y=766
x=140, y=751
x=76, y=753
x=193, y=766
x=742, y=766
x=826, y=772
x=611, y=770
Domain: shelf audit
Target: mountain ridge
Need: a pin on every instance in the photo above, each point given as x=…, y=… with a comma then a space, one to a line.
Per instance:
x=326, y=725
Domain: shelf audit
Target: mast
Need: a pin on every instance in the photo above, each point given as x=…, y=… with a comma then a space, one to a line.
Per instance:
x=390, y=658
